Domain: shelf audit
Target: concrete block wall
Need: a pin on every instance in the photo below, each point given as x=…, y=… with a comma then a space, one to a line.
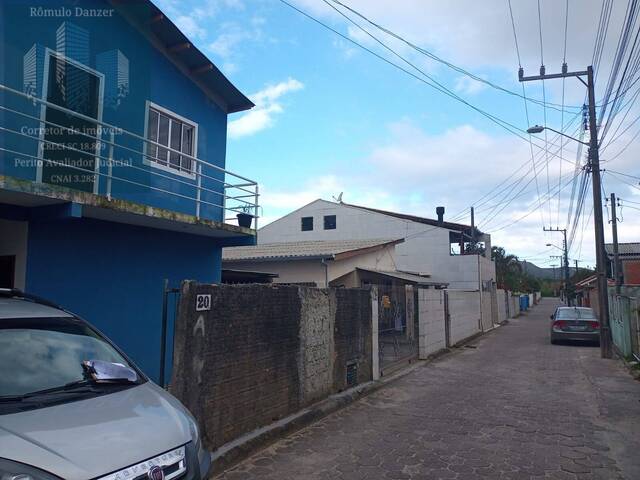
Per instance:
x=351, y=336
x=262, y=352
x=431, y=316
x=464, y=314
x=502, y=305
x=316, y=346
x=514, y=306
x=487, y=311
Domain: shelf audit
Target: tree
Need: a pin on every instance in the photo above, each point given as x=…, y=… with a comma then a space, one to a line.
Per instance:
x=508, y=270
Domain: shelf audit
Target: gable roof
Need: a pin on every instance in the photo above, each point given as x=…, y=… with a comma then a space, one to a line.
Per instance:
x=307, y=250
x=458, y=227
x=591, y=282
x=586, y=282
x=626, y=250
x=167, y=37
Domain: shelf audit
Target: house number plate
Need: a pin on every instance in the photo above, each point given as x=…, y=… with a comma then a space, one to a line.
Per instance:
x=203, y=302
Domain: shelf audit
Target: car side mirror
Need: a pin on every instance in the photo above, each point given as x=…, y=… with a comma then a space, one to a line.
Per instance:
x=551, y=317
x=102, y=371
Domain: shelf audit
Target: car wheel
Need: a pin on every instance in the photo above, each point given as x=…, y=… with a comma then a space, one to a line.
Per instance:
x=553, y=342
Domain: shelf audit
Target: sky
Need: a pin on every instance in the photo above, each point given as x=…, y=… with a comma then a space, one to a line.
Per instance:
x=331, y=117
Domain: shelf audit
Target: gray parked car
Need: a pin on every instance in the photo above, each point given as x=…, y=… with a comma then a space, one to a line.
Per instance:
x=73, y=407
x=574, y=323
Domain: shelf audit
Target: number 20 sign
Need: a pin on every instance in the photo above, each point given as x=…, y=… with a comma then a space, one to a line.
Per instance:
x=203, y=302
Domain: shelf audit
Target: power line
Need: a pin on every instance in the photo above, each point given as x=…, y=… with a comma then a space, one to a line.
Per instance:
x=544, y=109
x=489, y=217
x=509, y=188
x=629, y=201
x=564, y=62
x=511, y=128
x=623, y=180
x=584, y=224
x=438, y=59
x=631, y=67
x=526, y=112
x=531, y=211
x=623, y=174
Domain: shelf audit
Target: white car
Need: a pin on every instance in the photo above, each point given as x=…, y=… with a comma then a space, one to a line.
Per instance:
x=73, y=407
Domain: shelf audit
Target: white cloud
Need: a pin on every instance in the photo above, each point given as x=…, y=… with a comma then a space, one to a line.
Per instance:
x=190, y=19
x=190, y=27
x=225, y=43
x=267, y=106
x=231, y=37
x=229, y=68
x=273, y=92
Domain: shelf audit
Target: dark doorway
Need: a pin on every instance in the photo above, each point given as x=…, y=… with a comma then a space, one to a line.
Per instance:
x=7, y=270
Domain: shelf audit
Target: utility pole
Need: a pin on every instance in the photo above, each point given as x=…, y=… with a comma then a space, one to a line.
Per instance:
x=554, y=277
x=558, y=257
x=617, y=270
x=473, y=227
x=565, y=247
x=594, y=168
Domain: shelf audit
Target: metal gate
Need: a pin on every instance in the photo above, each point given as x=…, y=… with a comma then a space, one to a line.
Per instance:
x=397, y=325
x=170, y=303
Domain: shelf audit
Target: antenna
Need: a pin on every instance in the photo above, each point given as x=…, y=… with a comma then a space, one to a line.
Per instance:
x=338, y=198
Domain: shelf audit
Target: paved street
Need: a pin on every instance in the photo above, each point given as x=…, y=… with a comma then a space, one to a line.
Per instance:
x=515, y=407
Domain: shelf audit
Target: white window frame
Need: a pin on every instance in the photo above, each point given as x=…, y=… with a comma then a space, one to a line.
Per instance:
x=152, y=163
x=48, y=53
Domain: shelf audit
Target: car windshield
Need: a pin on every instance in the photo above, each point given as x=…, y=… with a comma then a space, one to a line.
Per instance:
x=44, y=353
x=575, y=314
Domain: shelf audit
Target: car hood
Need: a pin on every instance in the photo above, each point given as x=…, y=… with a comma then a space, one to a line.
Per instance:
x=93, y=437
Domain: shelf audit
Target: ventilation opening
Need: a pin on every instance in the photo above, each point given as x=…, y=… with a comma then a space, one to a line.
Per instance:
x=352, y=373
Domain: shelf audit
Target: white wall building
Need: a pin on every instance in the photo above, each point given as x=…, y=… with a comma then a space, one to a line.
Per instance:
x=313, y=262
x=431, y=247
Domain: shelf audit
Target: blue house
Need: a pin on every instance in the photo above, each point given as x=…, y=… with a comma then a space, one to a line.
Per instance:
x=112, y=163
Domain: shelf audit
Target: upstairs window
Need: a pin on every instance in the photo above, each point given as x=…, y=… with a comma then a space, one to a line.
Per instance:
x=173, y=131
x=329, y=222
x=306, y=224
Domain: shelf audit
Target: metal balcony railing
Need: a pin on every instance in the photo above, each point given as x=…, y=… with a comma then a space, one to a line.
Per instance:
x=122, y=167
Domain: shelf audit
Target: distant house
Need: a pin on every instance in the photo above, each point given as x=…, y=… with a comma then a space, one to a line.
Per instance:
x=318, y=263
x=112, y=163
x=432, y=247
x=629, y=255
x=587, y=292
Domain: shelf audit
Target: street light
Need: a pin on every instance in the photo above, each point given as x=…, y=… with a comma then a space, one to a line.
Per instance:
x=554, y=246
x=539, y=129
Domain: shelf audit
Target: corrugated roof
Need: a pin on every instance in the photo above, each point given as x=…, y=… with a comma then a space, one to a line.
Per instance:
x=631, y=249
x=302, y=250
x=458, y=227
x=407, y=277
x=169, y=39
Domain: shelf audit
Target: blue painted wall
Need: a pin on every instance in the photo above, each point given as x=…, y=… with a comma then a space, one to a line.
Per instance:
x=112, y=275
x=151, y=77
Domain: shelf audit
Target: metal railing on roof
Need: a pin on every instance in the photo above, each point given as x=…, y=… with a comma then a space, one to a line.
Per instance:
x=203, y=185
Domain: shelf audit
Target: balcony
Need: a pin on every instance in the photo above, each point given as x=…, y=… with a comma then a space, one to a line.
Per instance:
x=53, y=155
